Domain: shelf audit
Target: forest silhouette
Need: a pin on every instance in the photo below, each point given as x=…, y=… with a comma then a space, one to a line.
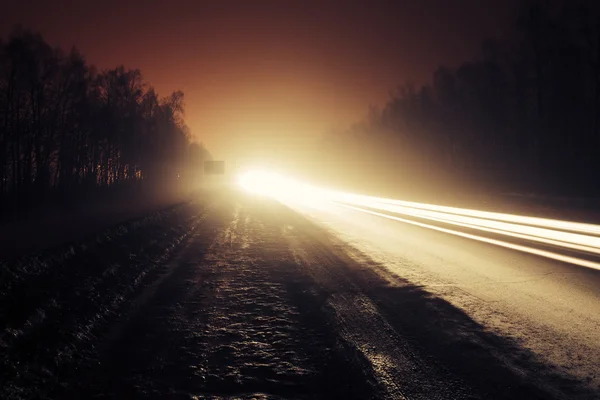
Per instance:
x=523, y=116
x=70, y=134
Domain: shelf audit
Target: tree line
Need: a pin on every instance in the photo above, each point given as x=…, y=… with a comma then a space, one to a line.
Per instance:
x=68, y=130
x=523, y=115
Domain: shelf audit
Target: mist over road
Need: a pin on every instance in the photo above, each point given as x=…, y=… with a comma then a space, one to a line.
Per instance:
x=236, y=295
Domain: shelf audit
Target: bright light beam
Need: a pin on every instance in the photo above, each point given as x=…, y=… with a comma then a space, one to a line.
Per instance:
x=571, y=235
x=285, y=190
x=579, y=227
x=558, y=238
x=531, y=250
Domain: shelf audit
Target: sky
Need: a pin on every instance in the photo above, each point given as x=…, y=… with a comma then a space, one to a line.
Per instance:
x=268, y=77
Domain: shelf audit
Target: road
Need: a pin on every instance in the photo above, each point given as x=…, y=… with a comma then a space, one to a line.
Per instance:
x=547, y=312
x=238, y=296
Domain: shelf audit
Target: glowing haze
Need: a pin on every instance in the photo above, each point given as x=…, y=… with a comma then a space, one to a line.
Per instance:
x=262, y=79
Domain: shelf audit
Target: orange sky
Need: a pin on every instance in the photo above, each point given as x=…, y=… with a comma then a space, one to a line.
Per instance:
x=277, y=72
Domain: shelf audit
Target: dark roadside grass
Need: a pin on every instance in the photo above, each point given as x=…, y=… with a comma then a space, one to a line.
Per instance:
x=49, y=227
x=56, y=303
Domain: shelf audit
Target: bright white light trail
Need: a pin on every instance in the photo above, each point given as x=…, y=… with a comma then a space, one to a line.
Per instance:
x=526, y=249
x=570, y=240
x=535, y=221
x=562, y=234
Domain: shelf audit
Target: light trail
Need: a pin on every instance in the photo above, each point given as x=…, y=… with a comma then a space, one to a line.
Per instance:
x=526, y=249
x=534, y=221
x=561, y=234
x=543, y=235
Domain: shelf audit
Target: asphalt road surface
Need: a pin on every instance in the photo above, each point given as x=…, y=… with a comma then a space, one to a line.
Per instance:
x=237, y=296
